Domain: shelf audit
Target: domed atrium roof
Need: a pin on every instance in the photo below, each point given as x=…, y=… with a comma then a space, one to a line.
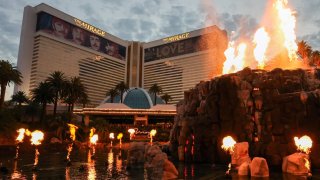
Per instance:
x=136, y=98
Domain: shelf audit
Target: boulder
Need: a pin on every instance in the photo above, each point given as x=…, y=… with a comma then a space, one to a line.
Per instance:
x=296, y=164
x=240, y=154
x=244, y=169
x=136, y=153
x=259, y=167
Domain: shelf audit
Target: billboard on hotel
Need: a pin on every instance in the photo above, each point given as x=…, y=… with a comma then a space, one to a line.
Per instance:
x=90, y=38
x=178, y=47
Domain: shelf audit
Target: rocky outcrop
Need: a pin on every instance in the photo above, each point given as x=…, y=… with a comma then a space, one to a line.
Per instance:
x=266, y=109
x=156, y=163
x=296, y=164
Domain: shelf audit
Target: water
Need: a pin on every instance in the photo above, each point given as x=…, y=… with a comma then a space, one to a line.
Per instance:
x=109, y=163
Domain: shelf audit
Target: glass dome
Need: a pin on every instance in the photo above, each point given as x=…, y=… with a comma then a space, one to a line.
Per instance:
x=136, y=98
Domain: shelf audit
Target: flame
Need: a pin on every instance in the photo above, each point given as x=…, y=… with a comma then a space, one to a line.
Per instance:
x=261, y=39
x=20, y=137
x=303, y=144
x=307, y=164
x=131, y=131
x=28, y=133
x=234, y=62
x=111, y=135
x=228, y=144
x=287, y=27
x=153, y=132
x=92, y=130
x=73, y=129
x=120, y=135
x=36, y=137
x=94, y=139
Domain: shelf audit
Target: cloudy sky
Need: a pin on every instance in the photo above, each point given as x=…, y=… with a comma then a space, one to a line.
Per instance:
x=146, y=20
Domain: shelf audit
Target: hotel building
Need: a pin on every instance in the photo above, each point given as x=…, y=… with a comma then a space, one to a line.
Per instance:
x=54, y=41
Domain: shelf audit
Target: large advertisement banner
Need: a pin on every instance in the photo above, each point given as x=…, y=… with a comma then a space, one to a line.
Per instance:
x=177, y=48
x=62, y=29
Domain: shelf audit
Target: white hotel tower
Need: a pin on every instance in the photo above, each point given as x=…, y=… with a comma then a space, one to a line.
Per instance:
x=54, y=41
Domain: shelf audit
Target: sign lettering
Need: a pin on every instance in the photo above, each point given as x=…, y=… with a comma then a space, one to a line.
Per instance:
x=89, y=27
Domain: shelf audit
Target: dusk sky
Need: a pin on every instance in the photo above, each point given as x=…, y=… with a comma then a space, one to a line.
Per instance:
x=147, y=20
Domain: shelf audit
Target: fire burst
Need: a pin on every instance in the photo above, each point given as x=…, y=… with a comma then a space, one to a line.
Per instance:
x=36, y=138
x=119, y=137
x=131, y=131
x=111, y=137
x=93, y=142
x=261, y=39
x=73, y=130
x=234, y=62
x=153, y=132
x=19, y=140
x=228, y=144
x=287, y=26
x=303, y=144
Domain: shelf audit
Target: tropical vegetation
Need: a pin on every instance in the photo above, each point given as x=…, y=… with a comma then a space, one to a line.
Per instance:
x=8, y=74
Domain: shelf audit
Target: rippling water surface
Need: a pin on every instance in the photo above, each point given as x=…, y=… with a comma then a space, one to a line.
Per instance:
x=109, y=163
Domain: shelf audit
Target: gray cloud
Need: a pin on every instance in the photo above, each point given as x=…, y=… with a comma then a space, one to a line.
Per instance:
x=243, y=26
x=313, y=40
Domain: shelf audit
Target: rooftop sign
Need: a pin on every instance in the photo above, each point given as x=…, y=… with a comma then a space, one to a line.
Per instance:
x=176, y=37
x=89, y=27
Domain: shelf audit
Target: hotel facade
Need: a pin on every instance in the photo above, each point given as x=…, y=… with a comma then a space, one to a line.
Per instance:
x=54, y=41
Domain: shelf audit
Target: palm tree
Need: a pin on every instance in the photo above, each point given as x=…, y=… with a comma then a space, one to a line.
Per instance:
x=315, y=56
x=304, y=49
x=43, y=94
x=32, y=110
x=20, y=97
x=155, y=89
x=72, y=92
x=122, y=87
x=56, y=81
x=83, y=100
x=166, y=97
x=8, y=74
x=112, y=93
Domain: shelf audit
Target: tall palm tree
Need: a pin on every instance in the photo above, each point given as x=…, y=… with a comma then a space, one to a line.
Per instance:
x=166, y=97
x=84, y=100
x=112, y=93
x=155, y=89
x=304, y=49
x=122, y=87
x=72, y=92
x=315, y=58
x=56, y=81
x=8, y=74
x=43, y=94
x=20, y=97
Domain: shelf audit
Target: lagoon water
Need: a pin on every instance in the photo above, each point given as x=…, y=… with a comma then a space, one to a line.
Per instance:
x=109, y=163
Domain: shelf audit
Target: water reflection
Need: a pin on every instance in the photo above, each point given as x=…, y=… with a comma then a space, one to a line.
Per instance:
x=16, y=174
x=91, y=167
x=110, y=160
x=67, y=173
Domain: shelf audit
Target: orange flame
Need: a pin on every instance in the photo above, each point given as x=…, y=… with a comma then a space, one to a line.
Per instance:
x=131, y=131
x=73, y=129
x=228, y=144
x=36, y=137
x=28, y=133
x=92, y=130
x=111, y=135
x=261, y=39
x=234, y=62
x=120, y=135
x=20, y=137
x=303, y=144
x=287, y=26
x=94, y=139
